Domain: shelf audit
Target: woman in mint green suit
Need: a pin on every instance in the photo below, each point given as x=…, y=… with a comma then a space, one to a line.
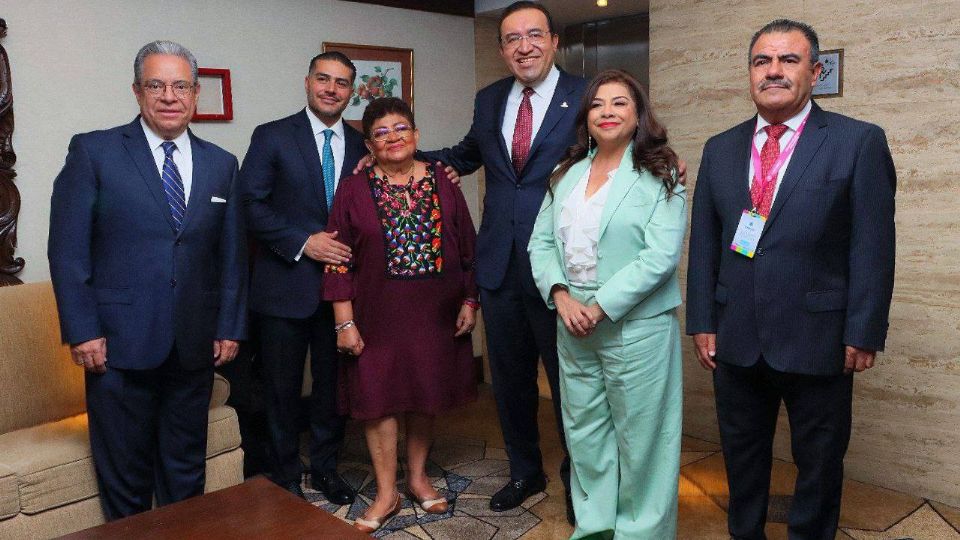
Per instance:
x=604, y=253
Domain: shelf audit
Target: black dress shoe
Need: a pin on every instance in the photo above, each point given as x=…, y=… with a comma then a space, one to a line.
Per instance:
x=333, y=487
x=293, y=487
x=513, y=494
x=571, y=517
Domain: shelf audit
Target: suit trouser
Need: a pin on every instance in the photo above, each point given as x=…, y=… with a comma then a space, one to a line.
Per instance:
x=622, y=389
x=819, y=409
x=283, y=350
x=148, y=432
x=520, y=329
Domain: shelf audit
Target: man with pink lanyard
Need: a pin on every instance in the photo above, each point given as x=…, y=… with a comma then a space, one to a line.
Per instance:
x=791, y=274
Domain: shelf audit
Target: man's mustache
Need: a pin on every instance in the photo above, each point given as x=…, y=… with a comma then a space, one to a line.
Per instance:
x=775, y=82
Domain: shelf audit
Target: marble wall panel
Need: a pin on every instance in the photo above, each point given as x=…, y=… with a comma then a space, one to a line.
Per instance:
x=902, y=71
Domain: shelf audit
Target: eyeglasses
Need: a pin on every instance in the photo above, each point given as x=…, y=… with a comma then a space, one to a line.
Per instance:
x=181, y=89
x=536, y=38
x=402, y=130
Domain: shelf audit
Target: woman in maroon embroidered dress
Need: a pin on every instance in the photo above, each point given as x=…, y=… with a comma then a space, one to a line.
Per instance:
x=404, y=304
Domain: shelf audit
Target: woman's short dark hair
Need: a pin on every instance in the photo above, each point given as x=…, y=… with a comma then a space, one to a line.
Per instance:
x=381, y=107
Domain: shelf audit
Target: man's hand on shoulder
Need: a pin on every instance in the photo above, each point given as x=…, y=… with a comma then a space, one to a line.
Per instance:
x=682, y=172
x=91, y=355
x=366, y=161
x=324, y=247
x=452, y=173
x=857, y=359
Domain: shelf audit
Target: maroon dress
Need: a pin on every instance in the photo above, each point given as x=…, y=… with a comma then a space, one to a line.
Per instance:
x=411, y=269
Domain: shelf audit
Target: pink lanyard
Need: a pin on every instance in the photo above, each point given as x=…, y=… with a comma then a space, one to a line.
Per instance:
x=781, y=159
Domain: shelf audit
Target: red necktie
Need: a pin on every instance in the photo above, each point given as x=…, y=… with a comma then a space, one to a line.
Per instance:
x=768, y=155
x=523, y=131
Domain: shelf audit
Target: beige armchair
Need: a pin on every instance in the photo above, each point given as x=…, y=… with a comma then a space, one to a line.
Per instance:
x=47, y=482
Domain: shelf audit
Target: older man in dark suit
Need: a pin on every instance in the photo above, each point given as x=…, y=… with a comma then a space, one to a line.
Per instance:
x=148, y=259
x=790, y=279
x=289, y=177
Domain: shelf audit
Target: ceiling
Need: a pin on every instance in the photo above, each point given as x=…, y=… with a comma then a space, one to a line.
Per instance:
x=566, y=12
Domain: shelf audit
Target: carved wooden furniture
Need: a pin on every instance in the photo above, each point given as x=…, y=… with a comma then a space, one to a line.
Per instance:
x=9, y=196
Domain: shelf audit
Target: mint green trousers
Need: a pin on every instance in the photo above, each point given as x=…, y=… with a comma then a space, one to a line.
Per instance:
x=621, y=390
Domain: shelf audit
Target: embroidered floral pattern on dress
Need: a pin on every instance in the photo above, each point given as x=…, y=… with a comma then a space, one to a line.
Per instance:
x=411, y=221
x=335, y=268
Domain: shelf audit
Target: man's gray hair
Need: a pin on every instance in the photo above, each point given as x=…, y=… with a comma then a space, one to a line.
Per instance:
x=163, y=47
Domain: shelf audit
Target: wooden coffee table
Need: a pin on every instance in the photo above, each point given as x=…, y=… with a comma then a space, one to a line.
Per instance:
x=257, y=508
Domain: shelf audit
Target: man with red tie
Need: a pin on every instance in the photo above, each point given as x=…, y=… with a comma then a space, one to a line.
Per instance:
x=790, y=279
x=522, y=125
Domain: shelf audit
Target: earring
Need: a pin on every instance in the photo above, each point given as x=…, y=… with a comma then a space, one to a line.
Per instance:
x=589, y=142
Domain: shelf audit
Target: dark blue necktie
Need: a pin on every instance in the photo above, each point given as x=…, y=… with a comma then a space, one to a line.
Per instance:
x=329, y=169
x=172, y=184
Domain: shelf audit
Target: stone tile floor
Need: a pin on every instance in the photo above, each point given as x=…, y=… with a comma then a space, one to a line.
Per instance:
x=468, y=465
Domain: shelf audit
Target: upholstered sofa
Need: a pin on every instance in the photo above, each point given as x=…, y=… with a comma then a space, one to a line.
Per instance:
x=47, y=482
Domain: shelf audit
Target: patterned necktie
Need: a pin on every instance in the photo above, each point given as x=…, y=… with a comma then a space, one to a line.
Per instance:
x=329, y=169
x=523, y=131
x=768, y=155
x=172, y=184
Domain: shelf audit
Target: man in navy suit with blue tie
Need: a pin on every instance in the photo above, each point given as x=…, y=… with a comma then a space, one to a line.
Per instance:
x=148, y=260
x=289, y=177
x=791, y=274
x=522, y=125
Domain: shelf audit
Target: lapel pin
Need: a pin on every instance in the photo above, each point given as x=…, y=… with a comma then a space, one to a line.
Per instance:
x=563, y=105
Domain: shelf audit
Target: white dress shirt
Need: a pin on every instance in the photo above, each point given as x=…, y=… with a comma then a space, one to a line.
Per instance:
x=760, y=137
x=539, y=101
x=182, y=156
x=579, y=228
x=337, y=143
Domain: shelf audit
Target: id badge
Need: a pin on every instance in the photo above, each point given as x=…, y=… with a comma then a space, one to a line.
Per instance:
x=748, y=233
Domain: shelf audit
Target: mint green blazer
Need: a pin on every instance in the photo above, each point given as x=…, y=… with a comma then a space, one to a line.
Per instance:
x=641, y=238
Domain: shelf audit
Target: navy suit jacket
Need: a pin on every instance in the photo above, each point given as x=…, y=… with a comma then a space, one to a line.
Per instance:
x=512, y=201
x=285, y=200
x=822, y=273
x=119, y=268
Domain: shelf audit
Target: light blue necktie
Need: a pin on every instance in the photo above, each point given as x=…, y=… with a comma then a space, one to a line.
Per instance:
x=329, y=169
x=172, y=184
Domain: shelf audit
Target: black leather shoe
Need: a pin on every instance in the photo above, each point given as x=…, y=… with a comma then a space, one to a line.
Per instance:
x=513, y=494
x=293, y=487
x=571, y=517
x=333, y=488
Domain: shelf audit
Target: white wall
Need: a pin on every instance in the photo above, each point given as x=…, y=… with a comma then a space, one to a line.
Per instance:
x=72, y=66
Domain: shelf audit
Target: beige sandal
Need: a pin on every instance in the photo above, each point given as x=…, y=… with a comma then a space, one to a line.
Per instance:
x=431, y=506
x=370, y=525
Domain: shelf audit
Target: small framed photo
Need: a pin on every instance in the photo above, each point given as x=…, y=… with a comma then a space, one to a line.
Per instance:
x=381, y=72
x=216, y=100
x=830, y=83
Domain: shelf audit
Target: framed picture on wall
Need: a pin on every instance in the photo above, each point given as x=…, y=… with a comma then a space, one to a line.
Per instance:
x=381, y=72
x=830, y=83
x=216, y=100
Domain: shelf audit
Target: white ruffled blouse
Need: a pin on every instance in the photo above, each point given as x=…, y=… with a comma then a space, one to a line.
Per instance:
x=579, y=228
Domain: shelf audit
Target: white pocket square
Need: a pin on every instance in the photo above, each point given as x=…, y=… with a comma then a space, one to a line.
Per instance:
x=217, y=199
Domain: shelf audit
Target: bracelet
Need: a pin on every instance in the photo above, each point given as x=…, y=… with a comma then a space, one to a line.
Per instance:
x=472, y=302
x=343, y=326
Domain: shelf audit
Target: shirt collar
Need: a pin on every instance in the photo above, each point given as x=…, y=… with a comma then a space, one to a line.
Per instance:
x=545, y=87
x=793, y=123
x=317, y=125
x=154, y=141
